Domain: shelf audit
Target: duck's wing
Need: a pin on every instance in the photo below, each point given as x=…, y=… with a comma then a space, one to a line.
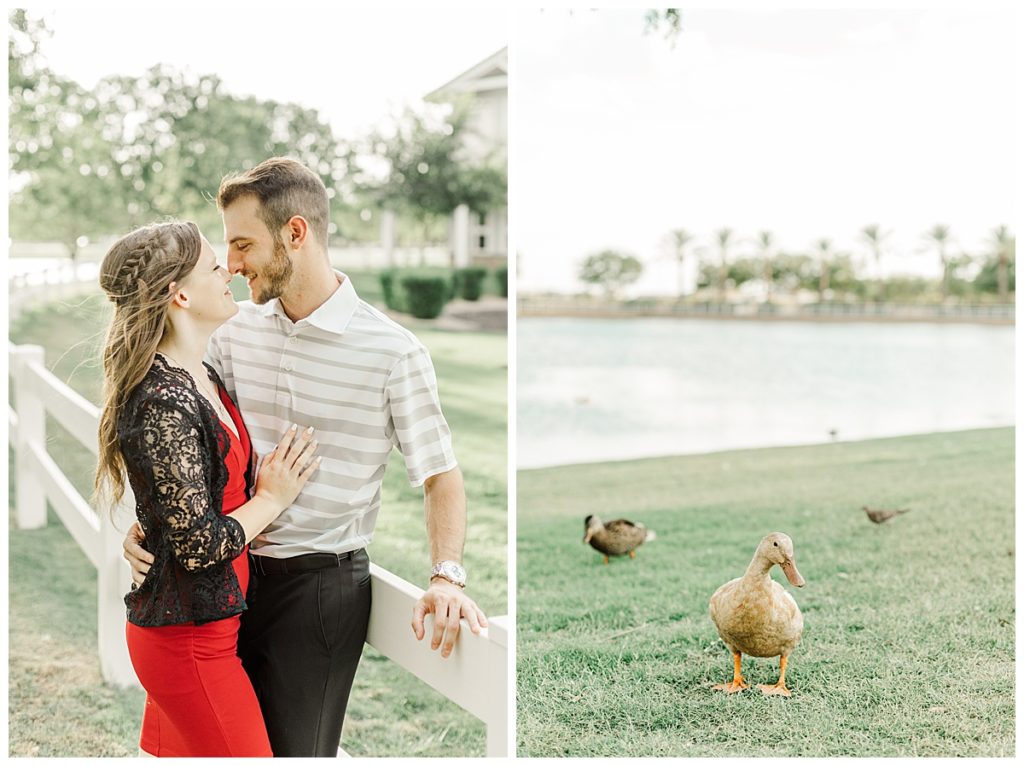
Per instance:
x=721, y=608
x=626, y=531
x=622, y=524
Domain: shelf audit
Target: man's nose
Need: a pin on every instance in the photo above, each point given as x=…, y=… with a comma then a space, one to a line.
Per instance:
x=234, y=263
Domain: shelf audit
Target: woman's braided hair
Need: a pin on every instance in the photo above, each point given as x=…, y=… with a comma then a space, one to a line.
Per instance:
x=135, y=274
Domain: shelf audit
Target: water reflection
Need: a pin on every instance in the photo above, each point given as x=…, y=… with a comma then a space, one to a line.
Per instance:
x=604, y=389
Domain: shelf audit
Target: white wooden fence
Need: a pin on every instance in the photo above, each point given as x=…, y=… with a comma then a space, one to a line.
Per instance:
x=475, y=676
x=49, y=281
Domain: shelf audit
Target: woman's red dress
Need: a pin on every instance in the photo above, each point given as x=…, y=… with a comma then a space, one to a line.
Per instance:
x=199, y=701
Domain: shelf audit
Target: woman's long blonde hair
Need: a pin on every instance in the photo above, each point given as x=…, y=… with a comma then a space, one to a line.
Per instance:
x=135, y=274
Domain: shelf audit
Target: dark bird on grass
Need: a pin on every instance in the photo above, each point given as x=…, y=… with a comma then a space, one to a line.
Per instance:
x=616, y=538
x=880, y=515
x=755, y=615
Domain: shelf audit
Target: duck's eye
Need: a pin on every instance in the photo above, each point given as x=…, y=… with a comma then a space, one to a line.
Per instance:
x=775, y=544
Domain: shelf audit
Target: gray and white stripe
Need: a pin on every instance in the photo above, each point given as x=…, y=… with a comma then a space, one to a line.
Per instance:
x=366, y=385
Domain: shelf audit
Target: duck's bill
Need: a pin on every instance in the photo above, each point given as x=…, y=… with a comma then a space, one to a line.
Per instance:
x=586, y=537
x=793, y=573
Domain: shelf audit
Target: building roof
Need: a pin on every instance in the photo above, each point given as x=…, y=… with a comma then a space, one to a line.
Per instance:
x=489, y=74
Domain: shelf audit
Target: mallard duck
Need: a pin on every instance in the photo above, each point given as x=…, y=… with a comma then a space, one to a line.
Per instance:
x=616, y=538
x=880, y=516
x=757, y=616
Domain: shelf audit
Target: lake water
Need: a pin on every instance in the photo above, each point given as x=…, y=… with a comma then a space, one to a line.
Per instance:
x=595, y=389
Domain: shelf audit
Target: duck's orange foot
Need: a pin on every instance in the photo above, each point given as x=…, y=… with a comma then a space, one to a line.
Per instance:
x=736, y=685
x=632, y=554
x=775, y=689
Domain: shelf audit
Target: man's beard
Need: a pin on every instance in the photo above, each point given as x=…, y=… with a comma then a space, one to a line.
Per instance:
x=274, y=277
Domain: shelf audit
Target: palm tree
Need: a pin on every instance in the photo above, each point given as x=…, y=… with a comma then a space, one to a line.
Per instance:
x=680, y=238
x=874, y=236
x=938, y=235
x=1002, y=240
x=825, y=254
x=723, y=238
x=765, y=243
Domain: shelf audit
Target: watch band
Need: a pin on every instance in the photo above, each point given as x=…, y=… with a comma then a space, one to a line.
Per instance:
x=446, y=578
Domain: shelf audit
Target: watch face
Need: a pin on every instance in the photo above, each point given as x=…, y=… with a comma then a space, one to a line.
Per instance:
x=454, y=571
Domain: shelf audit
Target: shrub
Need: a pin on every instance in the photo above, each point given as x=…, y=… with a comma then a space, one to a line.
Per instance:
x=425, y=295
x=387, y=286
x=501, y=277
x=471, y=282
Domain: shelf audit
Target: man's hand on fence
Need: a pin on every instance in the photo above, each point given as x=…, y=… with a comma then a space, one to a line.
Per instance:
x=448, y=603
x=138, y=557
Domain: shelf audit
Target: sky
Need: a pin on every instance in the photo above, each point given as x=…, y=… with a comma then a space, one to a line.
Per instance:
x=356, y=66
x=810, y=124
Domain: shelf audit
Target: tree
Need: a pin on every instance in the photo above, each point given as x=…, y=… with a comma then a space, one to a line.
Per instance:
x=1003, y=243
x=610, y=270
x=824, y=248
x=426, y=172
x=987, y=279
x=723, y=238
x=766, y=244
x=938, y=236
x=59, y=159
x=668, y=21
x=795, y=270
x=874, y=237
x=137, y=149
x=176, y=135
x=679, y=239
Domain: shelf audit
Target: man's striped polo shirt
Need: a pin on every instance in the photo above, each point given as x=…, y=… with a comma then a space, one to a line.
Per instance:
x=365, y=384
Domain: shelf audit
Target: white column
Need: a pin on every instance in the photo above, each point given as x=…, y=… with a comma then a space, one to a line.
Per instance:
x=114, y=580
x=31, y=499
x=460, y=237
x=499, y=243
x=387, y=236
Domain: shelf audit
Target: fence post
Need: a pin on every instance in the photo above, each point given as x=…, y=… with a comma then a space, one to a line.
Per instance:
x=31, y=499
x=114, y=580
x=497, y=722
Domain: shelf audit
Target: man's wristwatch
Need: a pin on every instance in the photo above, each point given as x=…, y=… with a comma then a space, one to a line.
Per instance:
x=451, y=571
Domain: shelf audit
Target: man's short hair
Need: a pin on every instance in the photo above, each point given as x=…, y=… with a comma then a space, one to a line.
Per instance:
x=284, y=188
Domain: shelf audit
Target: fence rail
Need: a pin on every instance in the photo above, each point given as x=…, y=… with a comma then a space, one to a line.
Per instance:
x=474, y=677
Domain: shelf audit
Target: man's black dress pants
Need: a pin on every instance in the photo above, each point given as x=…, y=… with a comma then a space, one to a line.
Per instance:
x=300, y=642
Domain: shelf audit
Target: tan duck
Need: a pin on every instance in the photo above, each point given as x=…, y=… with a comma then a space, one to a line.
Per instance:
x=757, y=616
x=616, y=538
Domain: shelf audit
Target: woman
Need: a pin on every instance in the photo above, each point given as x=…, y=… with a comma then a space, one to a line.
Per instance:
x=168, y=423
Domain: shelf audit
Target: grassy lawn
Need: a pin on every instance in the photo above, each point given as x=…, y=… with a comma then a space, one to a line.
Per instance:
x=58, y=703
x=908, y=645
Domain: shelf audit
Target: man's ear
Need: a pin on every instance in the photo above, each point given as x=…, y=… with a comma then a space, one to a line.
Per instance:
x=296, y=231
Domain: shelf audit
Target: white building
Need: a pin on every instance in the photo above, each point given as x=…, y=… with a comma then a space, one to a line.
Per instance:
x=481, y=239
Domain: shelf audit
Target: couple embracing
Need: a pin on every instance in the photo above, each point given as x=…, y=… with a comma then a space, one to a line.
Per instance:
x=255, y=438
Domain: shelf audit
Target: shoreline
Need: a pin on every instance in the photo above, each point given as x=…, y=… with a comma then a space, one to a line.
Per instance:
x=995, y=314
x=734, y=450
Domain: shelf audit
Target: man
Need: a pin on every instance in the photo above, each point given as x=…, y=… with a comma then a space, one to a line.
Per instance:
x=307, y=350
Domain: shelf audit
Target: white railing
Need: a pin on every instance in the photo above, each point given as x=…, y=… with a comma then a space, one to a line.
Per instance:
x=475, y=676
x=53, y=281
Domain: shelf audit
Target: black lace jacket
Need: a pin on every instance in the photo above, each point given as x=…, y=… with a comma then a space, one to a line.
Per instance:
x=174, y=447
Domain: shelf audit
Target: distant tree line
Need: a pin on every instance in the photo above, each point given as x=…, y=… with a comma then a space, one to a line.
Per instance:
x=87, y=163
x=832, y=273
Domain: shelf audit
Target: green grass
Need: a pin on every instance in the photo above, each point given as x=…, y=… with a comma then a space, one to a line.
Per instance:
x=908, y=645
x=58, y=703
